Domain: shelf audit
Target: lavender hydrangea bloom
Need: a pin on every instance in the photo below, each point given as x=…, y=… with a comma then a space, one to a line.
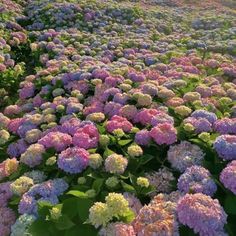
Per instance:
x=202, y=214
x=17, y=148
x=5, y=193
x=24, y=128
x=225, y=126
x=225, y=146
x=73, y=160
x=143, y=137
x=210, y=116
x=228, y=176
x=184, y=155
x=46, y=191
x=196, y=179
x=200, y=124
x=56, y=140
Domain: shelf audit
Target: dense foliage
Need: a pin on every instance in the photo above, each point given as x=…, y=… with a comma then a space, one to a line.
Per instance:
x=117, y=117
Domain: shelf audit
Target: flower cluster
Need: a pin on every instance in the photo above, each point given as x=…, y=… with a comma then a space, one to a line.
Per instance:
x=122, y=105
x=201, y=213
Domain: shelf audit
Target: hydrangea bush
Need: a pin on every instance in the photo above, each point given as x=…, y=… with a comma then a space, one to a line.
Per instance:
x=117, y=118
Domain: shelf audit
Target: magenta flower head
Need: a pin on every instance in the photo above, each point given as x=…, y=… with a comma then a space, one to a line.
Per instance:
x=225, y=146
x=228, y=176
x=164, y=134
x=202, y=214
x=118, y=122
x=73, y=160
x=145, y=116
x=57, y=140
x=86, y=137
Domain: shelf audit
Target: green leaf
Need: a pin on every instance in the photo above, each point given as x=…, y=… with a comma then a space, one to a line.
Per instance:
x=124, y=142
x=83, y=230
x=93, y=150
x=69, y=208
x=107, y=152
x=64, y=222
x=15, y=200
x=184, y=230
x=127, y=187
x=97, y=185
x=230, y=204
x=43, y=208
x=101, y=129
x=83, y=206
x=39, y=228
x=77, y=193
x=145, y=159
x=128, y=216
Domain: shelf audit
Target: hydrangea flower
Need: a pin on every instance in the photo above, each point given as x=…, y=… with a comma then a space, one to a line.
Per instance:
x=73, y=160
x=225, y=146
x=118, y=228
x=202, y=214
x=116, y=164
x=59, y=141
x=143, y=137
x=22, y=224
x=7, y=219
x=228, y=176
x=33, y=155
x=118, y=122
x=164, y=134
x=161, y=180
x=183, y=155
x=86, y=137
x=196, y=179
x=21, y=185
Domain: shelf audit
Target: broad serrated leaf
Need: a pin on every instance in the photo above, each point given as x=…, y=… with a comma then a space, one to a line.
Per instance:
x=124, y=142
x=97, y=185
x=64, y=222
x=77, y=193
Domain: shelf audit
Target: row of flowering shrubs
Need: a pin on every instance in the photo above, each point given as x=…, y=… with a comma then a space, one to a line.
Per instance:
x=117, y=118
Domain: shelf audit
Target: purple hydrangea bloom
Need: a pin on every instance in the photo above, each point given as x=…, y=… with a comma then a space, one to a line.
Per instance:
x=196, y=179
x=228, y=176
x=225, y=126
x=46, y=191
x=70, y=126
x=202, y=214
x=24, y=128
x=210, y=116
x=112, y=108
x=200, y=124
x=73, y=160
x=225, y=146
x=17, y=148
x=161, y=118
x=111, y=92
x=143, y=137
x=5, y=193
x=184, y=155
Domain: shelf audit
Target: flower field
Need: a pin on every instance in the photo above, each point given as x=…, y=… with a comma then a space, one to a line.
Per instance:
x=117, y=118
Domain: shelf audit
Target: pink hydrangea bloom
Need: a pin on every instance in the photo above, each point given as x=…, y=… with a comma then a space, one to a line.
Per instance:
x=118, y=122
x=59, y=141
x=86, y=137
x=164, y=134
